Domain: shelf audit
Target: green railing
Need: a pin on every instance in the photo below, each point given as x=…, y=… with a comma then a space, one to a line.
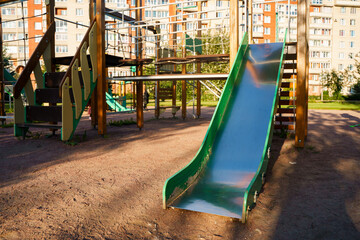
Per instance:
x=23, y=84
x=72, y=111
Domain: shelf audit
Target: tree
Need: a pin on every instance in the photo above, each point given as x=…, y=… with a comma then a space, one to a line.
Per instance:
x=334, y=81
x=6, y=59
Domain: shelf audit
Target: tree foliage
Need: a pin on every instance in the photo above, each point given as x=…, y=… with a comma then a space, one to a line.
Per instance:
x=334, y=81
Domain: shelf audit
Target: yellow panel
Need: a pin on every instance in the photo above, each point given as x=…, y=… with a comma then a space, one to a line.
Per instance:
x=38, y=76
x=67, y=112
x=29, y=92
x=85, y=71
x=93, y=51
x=47, y=58
x=19, y=112
x=76, y=87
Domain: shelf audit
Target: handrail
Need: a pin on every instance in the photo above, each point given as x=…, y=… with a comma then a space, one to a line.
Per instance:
x=34, y=60
x=76, y=56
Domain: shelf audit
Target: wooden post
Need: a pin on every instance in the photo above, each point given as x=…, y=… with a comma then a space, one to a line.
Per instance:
x=139, y=70
x=94, y=113
x=301, y=83
x=101, y=82
x=2, y=85
x=234, y=30
x=183, y=71
x=50, y=18
x=157, y=103
x=198, y=66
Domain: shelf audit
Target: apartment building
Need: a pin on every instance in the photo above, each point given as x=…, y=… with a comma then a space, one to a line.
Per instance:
x=333, y=28
x=15, y=31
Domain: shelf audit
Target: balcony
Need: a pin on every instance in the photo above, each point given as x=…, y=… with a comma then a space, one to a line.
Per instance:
x=258, y=34
x=347, y=3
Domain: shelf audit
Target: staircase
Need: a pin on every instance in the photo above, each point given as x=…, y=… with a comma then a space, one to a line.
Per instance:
x=286, y=111
x=60, y=97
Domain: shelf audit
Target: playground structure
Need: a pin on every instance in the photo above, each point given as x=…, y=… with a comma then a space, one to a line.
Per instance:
x=85, y=77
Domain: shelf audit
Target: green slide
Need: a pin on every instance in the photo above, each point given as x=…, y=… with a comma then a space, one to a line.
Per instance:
x=114, y=105
x=228, y=171
x=10, y=79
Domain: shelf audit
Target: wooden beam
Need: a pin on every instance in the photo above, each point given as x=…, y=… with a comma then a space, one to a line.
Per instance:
x=101, y=82
x=50, y=18
x=183, y=71
x=302, y=62
x=157, y=103
x=94, y=111
x=139, y=71
x=234, y=30
x=198, y=65
x=2, y=85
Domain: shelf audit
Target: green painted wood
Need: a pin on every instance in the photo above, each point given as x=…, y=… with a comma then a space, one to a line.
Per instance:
x=181, y=181
x=227, y=172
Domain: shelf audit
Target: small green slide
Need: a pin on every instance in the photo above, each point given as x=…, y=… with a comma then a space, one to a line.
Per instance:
x=114, y=105
x=228, y=171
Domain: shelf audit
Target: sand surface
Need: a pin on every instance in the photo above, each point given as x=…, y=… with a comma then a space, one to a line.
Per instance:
x=111, y=188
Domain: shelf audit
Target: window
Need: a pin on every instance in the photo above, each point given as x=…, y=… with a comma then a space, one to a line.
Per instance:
x=37, y=1
x=21, y=49
x=342, y=22
x=267, y=41
x=133, y=2
x=37, y=25
x=8, y=11
x=61, y=11
x=267, y=19
x=341, y=55
x=79, y=12
x=21, y=24
x=61, y=36
x=219, y=14
x=352, y=33
x=218, y=3
x=79, y=1
x=61, y=26
x=352, y=22
x=353, y=10
x=267, y=31
x=267, y=8
x=37, y=38
x=37, y=12
x=61, y=49
x=352, y=44
x=341, y=33
x=342, y=44
x=79, y=37
x=9, y=36
x=342, y=10
x=340, y=67
x=12, y=49
x=351, y=67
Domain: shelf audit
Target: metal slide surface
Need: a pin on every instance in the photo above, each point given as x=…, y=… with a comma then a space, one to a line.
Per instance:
x=231, y=175
x=113, y=104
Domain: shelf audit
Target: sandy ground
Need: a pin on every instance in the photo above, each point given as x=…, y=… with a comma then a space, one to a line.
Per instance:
x=111, y=188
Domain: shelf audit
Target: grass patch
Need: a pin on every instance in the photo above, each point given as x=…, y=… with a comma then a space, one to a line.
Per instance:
x=335, y=105
x=7, y=125
x=120, y=123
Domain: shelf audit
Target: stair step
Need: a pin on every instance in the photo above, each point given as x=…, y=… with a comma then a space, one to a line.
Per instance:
x=40, y=125
x=290, y=56
x=44, y=114
x=53, y=80
x=285, y=119
x=47, y=95
x=289, y=75
x=283, y=126
x=285, y=110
